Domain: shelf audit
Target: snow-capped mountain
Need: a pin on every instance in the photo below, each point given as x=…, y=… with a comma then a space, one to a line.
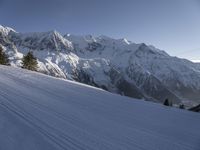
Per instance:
x=117, y=65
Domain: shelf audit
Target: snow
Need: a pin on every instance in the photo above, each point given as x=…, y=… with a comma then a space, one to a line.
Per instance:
x=6, y=30
x=46, y=113
x=71, y=56
x=195, y=60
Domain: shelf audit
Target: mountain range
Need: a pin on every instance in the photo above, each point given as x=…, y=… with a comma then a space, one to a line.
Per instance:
x=117, y=65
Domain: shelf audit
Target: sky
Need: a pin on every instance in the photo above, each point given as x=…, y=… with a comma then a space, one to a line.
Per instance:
x=170, y=25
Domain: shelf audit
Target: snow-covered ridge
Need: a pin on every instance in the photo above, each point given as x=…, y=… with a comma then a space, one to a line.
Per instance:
x=39, y=112
x=6, y=30
x=51, y=40
x=116, y=65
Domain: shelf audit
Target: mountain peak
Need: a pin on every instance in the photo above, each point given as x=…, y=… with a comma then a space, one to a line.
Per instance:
x=54, y=32
x=6, y=30
x=126, y=41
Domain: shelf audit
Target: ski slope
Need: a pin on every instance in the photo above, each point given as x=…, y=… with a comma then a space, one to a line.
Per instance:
x=39, y=112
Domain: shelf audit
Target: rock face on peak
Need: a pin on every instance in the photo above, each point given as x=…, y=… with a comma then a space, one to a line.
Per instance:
x=116, y=65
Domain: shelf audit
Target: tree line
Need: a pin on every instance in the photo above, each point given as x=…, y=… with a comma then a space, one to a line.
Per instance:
x=29, y=61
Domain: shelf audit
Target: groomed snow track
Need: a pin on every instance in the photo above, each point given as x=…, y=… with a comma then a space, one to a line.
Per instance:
x=38, y=112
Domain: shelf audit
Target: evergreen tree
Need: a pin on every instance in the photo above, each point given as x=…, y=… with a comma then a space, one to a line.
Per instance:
x=3, y=57
x=29, y=62
x=182, y=106
x=166, y=102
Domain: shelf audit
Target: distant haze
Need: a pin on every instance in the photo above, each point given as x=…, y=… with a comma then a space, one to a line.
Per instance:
x=171, y=25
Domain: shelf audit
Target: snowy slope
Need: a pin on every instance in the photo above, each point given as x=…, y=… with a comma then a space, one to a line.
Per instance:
x=39, y=112
x=116, y=65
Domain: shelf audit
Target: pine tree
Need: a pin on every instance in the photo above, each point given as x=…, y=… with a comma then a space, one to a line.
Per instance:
x=3, y=57
x=167, y=103
x=182, y=106
x=29, y=62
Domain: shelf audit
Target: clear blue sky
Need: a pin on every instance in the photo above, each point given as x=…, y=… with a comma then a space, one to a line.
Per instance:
x=171, y=25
